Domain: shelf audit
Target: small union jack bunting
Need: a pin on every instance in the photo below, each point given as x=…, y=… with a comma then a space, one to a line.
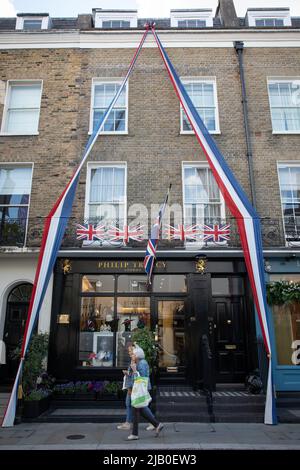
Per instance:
x=90, y=232
x=216, y=233
x=126, y=233
x=183, y=232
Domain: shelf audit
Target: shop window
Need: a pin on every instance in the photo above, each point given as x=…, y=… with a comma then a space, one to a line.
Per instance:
x=227, y=286
x=287, y=325
x=133, y=312
x=97, y=330
x=96, y=283
x=132, y=283
x=169, y=283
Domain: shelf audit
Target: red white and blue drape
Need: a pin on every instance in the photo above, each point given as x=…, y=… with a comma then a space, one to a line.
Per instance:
x=247, y=219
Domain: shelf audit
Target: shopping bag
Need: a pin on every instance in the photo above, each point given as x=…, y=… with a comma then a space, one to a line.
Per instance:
x=140, y=397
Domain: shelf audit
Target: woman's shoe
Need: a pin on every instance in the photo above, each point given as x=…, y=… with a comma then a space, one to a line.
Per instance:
x=158, y=429
x=132, y=437
x=150, y=427
x=124, y=426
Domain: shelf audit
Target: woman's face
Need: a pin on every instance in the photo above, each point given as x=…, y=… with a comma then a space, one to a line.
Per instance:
x=130, y=351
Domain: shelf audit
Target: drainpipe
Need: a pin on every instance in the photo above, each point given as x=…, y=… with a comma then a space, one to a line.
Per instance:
x=239, y=47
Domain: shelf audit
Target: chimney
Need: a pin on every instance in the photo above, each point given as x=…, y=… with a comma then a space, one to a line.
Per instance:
x=84, y=21
x=227, y=14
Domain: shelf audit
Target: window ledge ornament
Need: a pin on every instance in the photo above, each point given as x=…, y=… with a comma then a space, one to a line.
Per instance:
x=201, y=265
x=66, y=266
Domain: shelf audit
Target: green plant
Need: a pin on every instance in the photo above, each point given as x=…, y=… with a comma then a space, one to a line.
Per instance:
x=37, y=395
x=34, y=364
x=146, y=340
x=283, y=292
x=112, y=388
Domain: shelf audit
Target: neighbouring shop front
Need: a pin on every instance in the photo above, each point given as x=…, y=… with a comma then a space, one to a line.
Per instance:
x=97, y=303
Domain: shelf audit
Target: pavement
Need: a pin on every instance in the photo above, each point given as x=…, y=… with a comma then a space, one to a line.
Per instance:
x=194, y=436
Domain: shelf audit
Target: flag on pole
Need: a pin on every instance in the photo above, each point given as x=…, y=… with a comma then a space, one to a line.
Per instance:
x=247, y=219
x=150, y=255
x=54, y=230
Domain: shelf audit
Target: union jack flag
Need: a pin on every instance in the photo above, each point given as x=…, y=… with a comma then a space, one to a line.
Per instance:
x=126, y=233
x=183, y=232
x=153, y=240
x=216, y=233
x=90, y=232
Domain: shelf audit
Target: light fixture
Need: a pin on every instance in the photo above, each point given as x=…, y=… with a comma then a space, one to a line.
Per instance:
x=268, y=267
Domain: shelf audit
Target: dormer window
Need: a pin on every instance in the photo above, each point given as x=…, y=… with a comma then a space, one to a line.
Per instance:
x=191, y=24
x=270, y=22
x=192, y=18
x=268, y=18
x=32, y=22
x=115, y=24
x=114, y=19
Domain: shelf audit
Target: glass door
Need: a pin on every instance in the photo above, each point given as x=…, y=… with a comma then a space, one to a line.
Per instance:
x=171, y=334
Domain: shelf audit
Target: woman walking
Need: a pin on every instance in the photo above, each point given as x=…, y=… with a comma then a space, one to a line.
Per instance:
x=140, y=366
x=128, y=384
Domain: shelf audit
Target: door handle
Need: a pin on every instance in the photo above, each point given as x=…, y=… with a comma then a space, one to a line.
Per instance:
x=230, y=346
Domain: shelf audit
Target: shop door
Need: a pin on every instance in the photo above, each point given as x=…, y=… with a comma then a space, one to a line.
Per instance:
x=15, y=321
x=229, y=339
x=171, y=336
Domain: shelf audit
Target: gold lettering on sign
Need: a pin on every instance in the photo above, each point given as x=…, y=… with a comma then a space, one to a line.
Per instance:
x=128, y=265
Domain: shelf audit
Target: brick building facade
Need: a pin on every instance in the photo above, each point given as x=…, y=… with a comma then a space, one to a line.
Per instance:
x=64, y=62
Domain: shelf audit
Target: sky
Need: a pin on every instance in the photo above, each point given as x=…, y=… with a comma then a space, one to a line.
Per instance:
x=146, y=8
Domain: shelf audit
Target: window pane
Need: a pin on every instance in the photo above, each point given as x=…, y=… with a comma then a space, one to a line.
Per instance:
x=287, y=324
x=169, y=283
x=23, y=121
x=15, y=180
x=32, y=24
x=97, y=326
x=25, y=96
x=227, y=286
x=132, y=283
x=279, y=22
x=259, y=22
x=98, y=283
x=133, y=312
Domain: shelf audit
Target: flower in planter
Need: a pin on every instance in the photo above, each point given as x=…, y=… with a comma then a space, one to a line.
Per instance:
x=36, y=395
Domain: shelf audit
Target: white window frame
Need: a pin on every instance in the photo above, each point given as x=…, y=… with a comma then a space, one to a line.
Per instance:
x=101, y=81
x=9, y=85
x=20, y=22
x=208, y=80
x=95, y=165
x=181, y=15
x=272, y=80
x=204, y=165
x=284, y=15
x=23, y=164
x=289, y=164
x=103, y=15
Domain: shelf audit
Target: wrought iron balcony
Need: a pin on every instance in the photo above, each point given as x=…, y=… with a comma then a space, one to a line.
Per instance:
x=28, y=233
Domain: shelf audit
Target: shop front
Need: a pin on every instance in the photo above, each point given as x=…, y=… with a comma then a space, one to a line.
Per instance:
x=99, y=303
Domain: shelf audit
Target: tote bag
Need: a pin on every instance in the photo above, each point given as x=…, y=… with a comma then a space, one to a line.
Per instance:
x=140, y=397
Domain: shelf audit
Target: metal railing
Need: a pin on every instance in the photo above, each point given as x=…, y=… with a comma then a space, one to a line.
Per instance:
x=28, y=232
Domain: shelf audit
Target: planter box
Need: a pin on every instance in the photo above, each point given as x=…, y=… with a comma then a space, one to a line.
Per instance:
x=34, y=408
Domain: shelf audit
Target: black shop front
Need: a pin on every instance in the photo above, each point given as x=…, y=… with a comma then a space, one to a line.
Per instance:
x=98, y=303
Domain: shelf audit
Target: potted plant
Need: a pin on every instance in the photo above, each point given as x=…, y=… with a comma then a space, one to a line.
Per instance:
x=36, y=383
